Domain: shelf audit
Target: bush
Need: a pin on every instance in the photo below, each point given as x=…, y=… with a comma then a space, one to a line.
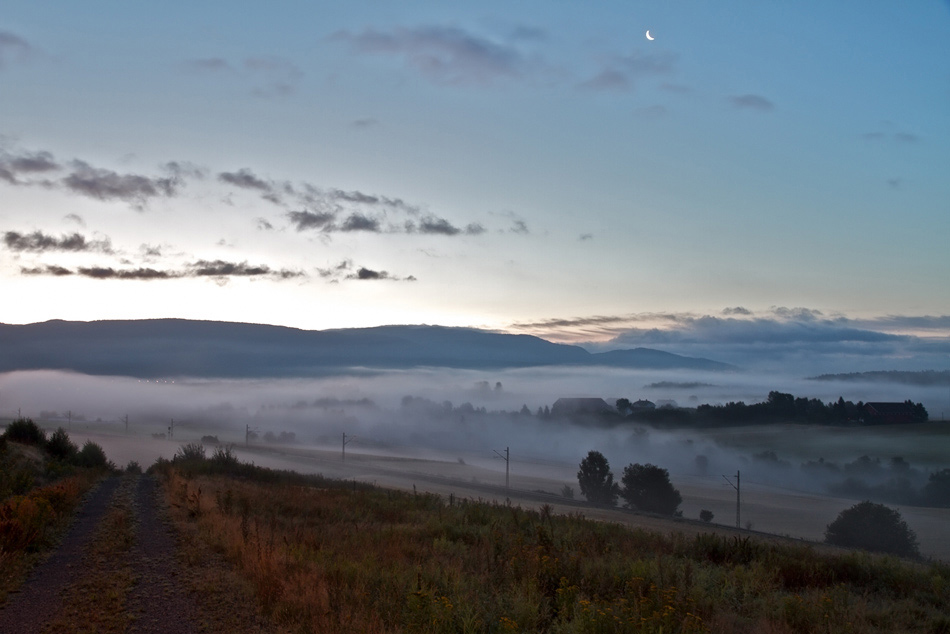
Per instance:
x=647, y=488
x=133, y=467
x=24, y=430
x=224, y=456
x=873, y=527
x=191, y=451
x=60, y=447
x=596, y=481
x=706, y=515
x=91, y=455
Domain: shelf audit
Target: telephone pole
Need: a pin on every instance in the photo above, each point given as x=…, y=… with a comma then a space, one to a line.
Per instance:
x=736, y=487
x=345, y=442
x=126, y=424
x=171, y=430
x=504, y=457
x=247, y=434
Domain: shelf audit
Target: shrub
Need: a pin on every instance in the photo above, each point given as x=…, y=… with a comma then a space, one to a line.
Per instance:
x=133, y=467
x=567, y=491
x=60, y=447
x=224, y=456
x=648, y=488
x=24, y=430
x=873, y=527
x=706, y=515
x=91, y=455
x=191, y=451
x=596, y=481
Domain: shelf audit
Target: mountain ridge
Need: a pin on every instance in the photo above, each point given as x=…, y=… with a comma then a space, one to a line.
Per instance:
x=150, y=348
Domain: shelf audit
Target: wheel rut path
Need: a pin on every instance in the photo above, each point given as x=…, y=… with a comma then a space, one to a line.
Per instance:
x=157, y=600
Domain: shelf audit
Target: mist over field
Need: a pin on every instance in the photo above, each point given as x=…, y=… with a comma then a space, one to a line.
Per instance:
x=476, y=412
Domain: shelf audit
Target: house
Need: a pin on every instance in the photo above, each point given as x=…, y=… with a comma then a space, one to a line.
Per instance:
x=642, y=404
x=889, y=413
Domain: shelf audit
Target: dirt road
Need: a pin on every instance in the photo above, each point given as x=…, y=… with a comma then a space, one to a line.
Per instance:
x=119, y=569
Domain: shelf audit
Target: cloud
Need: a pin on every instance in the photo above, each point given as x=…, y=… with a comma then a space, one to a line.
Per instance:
x=303, y=220
x=14, y=166
x=213, y=64
x=359, y=222
x=264, y=225
x=13, y=47
x=365, y=122
x=621, y=72
x=903, y=138
x=446, y=55
x=216, y=268
x=56, y=271
x=245, y=179
x=277, y=76
x=38, y=242
x=345, y=270
x=108, y=273
x=271, y=76
x=104, y=184
x=75, y=218
x=585, y=237
x=752, y=102
x=778, y=339
x=737, y=310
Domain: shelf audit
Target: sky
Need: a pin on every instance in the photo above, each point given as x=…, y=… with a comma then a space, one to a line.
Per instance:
x=772, y=175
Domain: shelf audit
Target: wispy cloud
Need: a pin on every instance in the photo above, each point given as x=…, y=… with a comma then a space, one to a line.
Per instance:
x=269, y=76
x=447, y=55
x=752, y=102
x=345, y=270
x=13, y=48
x=779, y=338
x=218, y=270
x=621, y=72
x=104, y=184
x=38, y=242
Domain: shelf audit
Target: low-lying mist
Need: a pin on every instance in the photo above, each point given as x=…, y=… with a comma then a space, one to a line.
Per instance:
x=474, y=413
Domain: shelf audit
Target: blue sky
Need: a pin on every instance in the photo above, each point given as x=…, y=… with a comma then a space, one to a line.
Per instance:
x=533, y=167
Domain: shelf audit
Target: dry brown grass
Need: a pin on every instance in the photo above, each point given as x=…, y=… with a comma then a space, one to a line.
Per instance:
x=335, y=557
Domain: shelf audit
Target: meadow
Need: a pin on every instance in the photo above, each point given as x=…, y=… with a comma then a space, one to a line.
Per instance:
x=342, y=556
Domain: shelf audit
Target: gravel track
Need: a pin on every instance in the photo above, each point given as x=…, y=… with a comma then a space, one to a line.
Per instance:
x=27, y=611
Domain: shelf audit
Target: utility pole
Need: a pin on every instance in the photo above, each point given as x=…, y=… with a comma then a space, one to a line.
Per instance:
x=736, y=487
x=247, y=434
x=504, y=457
x=171, y=430
x=345, y=442
x=126, y=423
x=70, y=415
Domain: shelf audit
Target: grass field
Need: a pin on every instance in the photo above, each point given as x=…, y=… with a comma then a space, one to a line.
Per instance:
x=337, y=556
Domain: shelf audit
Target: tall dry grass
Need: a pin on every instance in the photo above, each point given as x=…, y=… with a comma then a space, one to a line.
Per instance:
x=335, y=557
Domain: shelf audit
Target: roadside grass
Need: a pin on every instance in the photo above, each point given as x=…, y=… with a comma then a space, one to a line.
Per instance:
x=337, y=556
x=37, y=498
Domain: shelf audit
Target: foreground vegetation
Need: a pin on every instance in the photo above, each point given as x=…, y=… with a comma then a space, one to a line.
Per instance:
x=42, y=481
x=345, y=557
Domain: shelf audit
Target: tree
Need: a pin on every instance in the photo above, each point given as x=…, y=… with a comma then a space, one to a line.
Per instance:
x=624, y=406
x=873, y=527
x=596, y=481
x=648, y=488
x=937, y=490
x=706, y=515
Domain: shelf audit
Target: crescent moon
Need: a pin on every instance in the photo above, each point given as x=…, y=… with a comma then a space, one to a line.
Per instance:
x=650, y=37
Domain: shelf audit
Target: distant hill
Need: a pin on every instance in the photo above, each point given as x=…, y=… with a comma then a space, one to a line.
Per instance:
x=925, y=377
x=178, y=347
